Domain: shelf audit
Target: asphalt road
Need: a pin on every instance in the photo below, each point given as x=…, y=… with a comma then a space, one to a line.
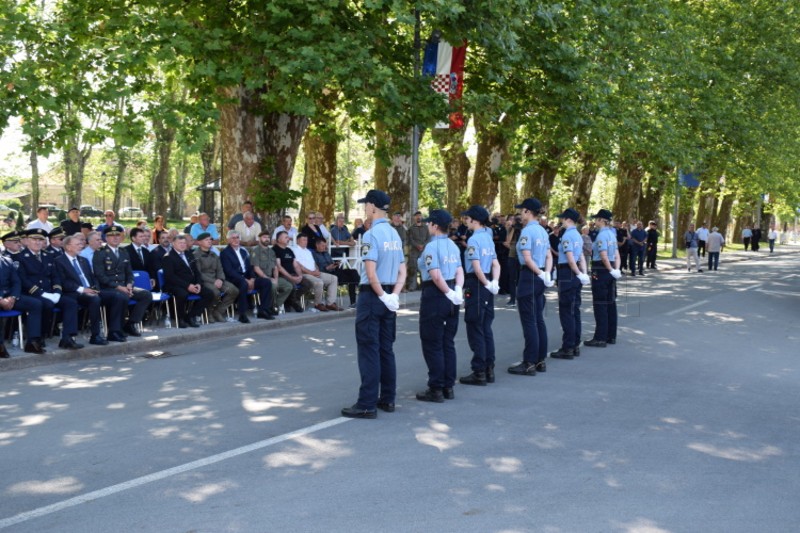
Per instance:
x=690, y=423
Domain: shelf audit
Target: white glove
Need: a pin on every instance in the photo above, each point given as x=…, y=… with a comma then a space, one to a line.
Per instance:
x=583, y=278
x=616, y=273
x=391, y=301
x=456, y=296
x=53, y=297
x=493, y=286
x=547, y=279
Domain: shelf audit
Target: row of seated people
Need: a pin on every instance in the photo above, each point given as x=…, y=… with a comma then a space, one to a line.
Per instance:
x=79, y=272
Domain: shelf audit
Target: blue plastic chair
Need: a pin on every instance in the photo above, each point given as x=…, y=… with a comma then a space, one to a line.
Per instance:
x=18, y=315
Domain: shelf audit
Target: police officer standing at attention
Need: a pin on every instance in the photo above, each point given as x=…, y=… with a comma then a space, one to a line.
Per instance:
x=480, y=285
x=605, y=272
x=442, y=294
x=571, y=277
x=382, y=279
x=535, y=263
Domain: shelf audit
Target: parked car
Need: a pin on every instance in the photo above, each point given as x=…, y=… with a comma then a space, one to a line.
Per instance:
x=131, y=212
x=90, y=211
x=6, y=212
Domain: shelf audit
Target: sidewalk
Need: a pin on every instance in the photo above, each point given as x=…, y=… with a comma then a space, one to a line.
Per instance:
x=156, y=340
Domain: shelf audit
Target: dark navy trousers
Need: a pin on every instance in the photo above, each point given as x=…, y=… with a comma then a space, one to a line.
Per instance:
x=569, y=307
x=438, y=325
x=530, y=303
x=478, y=317
x=604, y=304
x=375, y=334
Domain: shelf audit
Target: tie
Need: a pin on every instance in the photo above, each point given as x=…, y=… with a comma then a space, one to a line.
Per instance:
x=79, y=271
x=185, y=260
x=141, y=254
x=39, y=258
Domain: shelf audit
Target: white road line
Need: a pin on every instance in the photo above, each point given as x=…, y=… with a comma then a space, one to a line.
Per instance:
x=157, y=476
x=750, y=288
x=686, y=307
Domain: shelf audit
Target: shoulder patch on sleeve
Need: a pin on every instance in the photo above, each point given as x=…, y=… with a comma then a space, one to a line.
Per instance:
x=428, y=260
x=365, y=248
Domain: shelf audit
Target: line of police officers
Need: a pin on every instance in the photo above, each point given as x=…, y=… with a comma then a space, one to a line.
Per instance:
x=445, y=286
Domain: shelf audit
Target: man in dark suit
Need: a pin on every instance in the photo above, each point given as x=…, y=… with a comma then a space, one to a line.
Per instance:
x=40, y=279
x=11, y=298
x=182, y=279
x=238, y=270
x=112, y=268
x=79, y=283
x=141, y=258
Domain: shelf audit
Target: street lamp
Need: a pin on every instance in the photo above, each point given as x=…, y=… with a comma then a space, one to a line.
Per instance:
x=103, y=175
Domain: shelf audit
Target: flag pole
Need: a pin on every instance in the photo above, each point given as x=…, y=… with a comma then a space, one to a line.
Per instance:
x=414, y=192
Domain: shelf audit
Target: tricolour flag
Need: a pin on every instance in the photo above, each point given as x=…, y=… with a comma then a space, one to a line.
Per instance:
x=445, y=64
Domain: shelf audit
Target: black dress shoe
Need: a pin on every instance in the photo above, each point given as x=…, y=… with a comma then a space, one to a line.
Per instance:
x=69, y=344
x=131, y=330
x=563, y=354
x=490, y=374
x=541, y=366
x=182, y=324
x=357, y=412
x=476, y=378
x=34, y=347
x=386, y=406
x=576, y=352
x=431, y=395
x=116, y=336
x=611, y=341
x=448, y=393
x=3, y=352
x=193, y=321
x=99, y=340
x=265, y=315
x=243, y=319
x=297, y=307
x=523, y=369
x=594, y=343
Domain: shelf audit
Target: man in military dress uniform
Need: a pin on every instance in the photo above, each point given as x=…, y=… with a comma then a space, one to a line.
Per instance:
x=112, y=268
x=40, y=279
x=56, y=238
x=382, y=280
x=12, y=241
x=11, y=298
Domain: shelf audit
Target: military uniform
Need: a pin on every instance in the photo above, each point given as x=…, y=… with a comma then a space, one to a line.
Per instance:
x=55, y=233
x=211, y=270
x=479, y=299
x=112, y=268
x=438, y=312
x=375, y=315
x=41, y=280
x=10, y=286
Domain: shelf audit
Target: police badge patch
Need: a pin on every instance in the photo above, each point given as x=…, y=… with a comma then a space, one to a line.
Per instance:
x=471, y=251
x=523, y=241
x=428, y=260
x=365, y=248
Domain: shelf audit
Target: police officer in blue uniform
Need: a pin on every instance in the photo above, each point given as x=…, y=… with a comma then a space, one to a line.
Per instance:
x=571, y=278
x=41, y=280
x=481, y=283
x=605, y=272
x=442, y=295
x=11, y=298
x=535, y=264
x=13, y=245
x=382, y=278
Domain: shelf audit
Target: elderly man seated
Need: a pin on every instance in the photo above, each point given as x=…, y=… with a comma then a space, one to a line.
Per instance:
x=225, y=292
x=319, y=280
x=239, y=271
x=327, y=265
x=248, y=229
x=181, y=279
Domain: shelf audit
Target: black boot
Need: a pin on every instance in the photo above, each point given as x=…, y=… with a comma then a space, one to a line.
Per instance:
x=476, y=378
x=431, y=395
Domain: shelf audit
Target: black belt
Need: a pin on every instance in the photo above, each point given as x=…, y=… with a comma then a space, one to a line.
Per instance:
x=565, y=265
x=368, y=287
x=473, y=275
x=598, y=264
x=450, y=283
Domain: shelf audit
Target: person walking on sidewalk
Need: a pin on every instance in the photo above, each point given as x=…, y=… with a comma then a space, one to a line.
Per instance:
x=715, y=244
x=690, y=238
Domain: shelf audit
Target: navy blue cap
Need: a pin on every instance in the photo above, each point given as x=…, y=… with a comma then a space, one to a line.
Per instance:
x=531, y=204
x=57, y=232
x=570, y=214
x=440, y=217
x=603, y=213
x=478, y=213
x=41, y=233
x=377, y=198
x=113, y=229
x=11, y=236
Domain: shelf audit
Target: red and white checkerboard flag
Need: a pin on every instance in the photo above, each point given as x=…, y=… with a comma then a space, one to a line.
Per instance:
x=445, y=64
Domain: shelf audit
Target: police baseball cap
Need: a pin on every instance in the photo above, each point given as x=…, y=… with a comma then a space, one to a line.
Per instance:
x=478, y=213
x=603, y=213
x=11, y=236
x=570, y=214
x=36, y=233
x=377, y=198
x=204, y=235
x=57, y=233
x=531, y=204
x=113, y=229
x=440, y=217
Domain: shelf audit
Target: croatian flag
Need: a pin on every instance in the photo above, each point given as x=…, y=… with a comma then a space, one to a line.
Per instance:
x=445, y=64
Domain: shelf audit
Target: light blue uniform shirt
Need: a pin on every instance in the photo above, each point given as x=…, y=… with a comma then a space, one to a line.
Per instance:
x=571, y=241
x=534, y=239
x=606, y=241
x=382, y=245
x=481, y=247
x=441, y=253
